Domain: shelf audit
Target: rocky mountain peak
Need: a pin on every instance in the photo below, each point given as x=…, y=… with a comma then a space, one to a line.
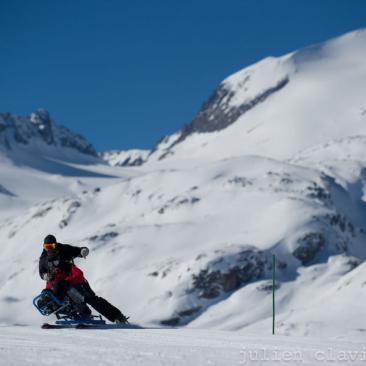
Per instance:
x=39, y=129
x=42, y=120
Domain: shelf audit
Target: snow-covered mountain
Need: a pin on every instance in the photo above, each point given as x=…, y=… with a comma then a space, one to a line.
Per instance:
x=41, y=160
x=38, y=133
x=279, y=106
x=133, y=157
x=273, y=163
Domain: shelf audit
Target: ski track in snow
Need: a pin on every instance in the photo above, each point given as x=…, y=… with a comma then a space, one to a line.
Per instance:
x=28, y=345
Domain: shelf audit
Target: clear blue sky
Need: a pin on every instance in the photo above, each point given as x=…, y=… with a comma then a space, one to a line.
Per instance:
x=125, y=73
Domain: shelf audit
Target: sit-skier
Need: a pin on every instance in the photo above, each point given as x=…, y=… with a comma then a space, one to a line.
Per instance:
x=63, y=277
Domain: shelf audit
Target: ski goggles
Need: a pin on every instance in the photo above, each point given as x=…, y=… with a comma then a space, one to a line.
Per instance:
x=49, y=246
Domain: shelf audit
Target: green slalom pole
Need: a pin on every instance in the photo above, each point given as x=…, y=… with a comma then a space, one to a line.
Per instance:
x=273, y=291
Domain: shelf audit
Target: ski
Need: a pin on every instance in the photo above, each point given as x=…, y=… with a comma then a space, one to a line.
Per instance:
x=108, y=326
x=90, y=326
x=57, y=326
x=101, y=326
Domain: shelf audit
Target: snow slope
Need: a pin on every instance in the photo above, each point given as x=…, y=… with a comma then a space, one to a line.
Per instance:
x=272, y=164
x=31, y=346
x=165, y=235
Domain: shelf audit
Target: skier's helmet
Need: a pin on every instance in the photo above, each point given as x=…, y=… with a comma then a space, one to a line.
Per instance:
x=50, y=239
x=49, y=242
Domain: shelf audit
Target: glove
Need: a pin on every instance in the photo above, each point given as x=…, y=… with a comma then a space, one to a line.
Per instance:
x=84, y=252
x=45, y=277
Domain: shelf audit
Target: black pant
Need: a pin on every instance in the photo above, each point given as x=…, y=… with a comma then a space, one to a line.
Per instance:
x=101, y=305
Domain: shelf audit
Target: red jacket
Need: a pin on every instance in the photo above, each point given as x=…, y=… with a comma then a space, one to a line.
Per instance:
x=73, y=275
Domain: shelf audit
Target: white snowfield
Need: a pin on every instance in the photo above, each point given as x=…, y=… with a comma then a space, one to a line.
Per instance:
x=186, y=239
x=32, y=346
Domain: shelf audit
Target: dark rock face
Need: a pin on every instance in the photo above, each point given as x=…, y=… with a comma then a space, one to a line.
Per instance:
x=247, y=266
x=340, y=221
x=70, y=212
x=39, y=126
x=309, y=246
x=75, y=141
x=208, y=283
x=181, y=317
x=132, y=162
x=217, y=114
x=102, y=240
x=190, y=312
x=171, y=322
x=42, y=212
x=317, y=192
x=222, y=275
x=177, y=202
x=268, y=286
x=104, y=237
x=353, y=262
x=42, y=120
